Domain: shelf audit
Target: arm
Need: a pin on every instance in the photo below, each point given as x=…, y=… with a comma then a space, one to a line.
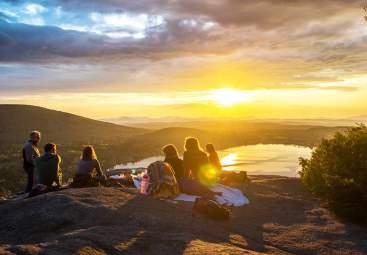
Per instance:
x=186, y=165
x=59, y=172
x=28, y=154
x=98, y=168
x=181, y=168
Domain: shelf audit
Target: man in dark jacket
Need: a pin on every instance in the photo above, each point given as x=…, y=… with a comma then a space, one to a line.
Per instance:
x=48, y=169
x=30, y=153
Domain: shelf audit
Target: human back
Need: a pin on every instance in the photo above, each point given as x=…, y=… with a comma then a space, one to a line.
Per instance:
x=214, y=160
x=48, y=169
x=195, y=159
x=88, y=164
x=171, y=157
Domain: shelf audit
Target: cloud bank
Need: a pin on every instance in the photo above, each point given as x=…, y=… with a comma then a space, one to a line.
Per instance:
x=121, y=45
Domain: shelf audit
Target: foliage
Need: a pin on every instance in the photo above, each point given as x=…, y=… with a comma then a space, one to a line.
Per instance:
x=337, y=172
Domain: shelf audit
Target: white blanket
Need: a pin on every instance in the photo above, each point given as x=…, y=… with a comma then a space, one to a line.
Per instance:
x=229, y=197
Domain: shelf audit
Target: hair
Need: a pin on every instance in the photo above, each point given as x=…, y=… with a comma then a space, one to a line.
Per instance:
x=210, y=148
x=35, y=132
x=170, y=151
x=192, y=144
x=88, y=153
x=50, y=147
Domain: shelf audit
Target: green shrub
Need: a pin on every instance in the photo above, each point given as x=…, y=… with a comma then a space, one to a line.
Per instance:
x=337, y=172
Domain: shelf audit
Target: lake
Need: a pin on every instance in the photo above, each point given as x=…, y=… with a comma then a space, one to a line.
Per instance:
x=260, y=159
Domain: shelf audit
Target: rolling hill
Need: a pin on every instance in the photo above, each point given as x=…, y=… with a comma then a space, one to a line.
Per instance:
x=116, y=144
x=16, y=121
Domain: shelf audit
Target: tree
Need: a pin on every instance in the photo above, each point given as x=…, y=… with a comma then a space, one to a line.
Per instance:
x=337, y=172
x=364, y=7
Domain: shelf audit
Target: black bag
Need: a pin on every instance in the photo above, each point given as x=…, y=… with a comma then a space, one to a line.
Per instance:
x=211, y=209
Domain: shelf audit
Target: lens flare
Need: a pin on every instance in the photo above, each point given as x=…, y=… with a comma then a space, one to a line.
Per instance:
x=208, y=175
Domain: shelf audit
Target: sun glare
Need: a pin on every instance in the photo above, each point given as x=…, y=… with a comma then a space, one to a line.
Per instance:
x=229, y=159
x=228, y=97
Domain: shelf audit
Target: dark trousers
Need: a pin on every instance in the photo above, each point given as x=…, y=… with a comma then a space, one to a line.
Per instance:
x=30, y=178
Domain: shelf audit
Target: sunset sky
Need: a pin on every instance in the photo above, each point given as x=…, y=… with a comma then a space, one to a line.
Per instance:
x=189, y=58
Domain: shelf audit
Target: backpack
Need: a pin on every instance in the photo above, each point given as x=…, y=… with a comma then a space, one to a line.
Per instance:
x=162, y=181
x=211, y=209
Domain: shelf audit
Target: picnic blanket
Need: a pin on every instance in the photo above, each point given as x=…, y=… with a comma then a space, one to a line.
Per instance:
x=230, y=196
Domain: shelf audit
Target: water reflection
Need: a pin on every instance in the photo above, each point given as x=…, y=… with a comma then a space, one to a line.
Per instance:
x=229, y=160
x=270, y=159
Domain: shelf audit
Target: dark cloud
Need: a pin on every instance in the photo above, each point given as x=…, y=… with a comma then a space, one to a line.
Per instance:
x=27, y=43
x=262, y=13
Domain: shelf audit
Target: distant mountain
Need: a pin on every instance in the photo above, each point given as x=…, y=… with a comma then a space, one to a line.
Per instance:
x=132, y=121
x=16, y=121
x=154, y=140
x=166, y=122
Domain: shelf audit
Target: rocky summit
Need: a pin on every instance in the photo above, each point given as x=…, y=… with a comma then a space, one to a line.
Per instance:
x=282, y=218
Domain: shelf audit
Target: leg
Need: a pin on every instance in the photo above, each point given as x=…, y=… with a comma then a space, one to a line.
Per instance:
x=29, y=172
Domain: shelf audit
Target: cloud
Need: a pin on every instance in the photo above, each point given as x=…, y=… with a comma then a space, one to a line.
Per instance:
x=149, y=43
x=28, y=43
x=158, y=29
x=261, y=13
x=34, y=9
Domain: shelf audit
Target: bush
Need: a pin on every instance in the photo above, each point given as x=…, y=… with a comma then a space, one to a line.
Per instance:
x=337, y=172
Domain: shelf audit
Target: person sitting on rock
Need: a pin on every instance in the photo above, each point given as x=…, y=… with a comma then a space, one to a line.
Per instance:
x=213, y=158
x=171, y=157
x=195, y=159
x=186, y=184
x=48, y=169
x=89, y=171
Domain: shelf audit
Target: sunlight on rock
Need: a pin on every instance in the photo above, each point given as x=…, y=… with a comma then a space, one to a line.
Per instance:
x=125, y=246
x=87, y=250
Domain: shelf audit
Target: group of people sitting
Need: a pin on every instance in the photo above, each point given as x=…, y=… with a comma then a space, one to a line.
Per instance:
x=192, y=173
x=46, y=170
x=197, y=170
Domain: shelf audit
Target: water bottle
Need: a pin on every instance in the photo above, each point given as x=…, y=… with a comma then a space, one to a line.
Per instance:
x=144, y=184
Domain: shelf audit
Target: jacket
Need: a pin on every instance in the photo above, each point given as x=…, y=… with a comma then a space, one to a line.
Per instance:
x=48, y=169
x=30, y=153
x=177, y=166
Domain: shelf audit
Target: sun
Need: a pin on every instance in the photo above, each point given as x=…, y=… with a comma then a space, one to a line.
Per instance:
x=228, y=97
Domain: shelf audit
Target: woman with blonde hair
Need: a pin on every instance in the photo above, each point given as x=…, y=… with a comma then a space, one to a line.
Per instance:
x=214, y=160
x=187, y=185
x=88, y=164
x=195, y=159
x=171, y=157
